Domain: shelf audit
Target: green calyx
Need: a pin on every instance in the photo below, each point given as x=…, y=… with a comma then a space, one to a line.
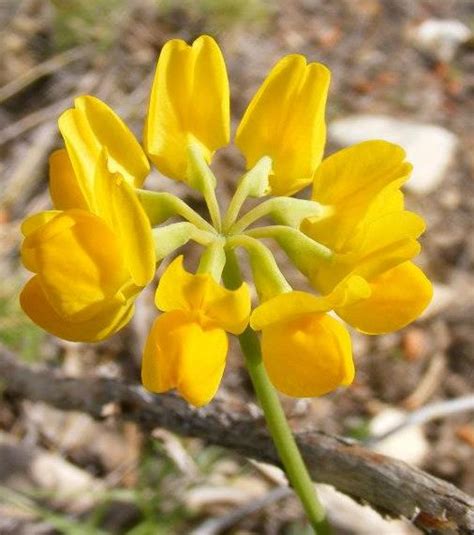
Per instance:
x=303, y=251
x=253, y=184
x=169, y=238
x=213, y=259
x=269, y=280
x=287, y=211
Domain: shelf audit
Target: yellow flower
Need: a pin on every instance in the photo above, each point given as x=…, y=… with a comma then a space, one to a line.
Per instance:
x=189, y=104
x=187, y=345
x=285, y=120
x=305, y=351
x=348, y=182
x=371, y=235
x=87, y=260
x=398, y=296
x=89, y=127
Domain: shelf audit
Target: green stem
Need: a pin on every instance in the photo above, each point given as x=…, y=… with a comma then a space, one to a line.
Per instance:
x=169, y=238
x=283, y=210
x=268, y=279
x=304, y=252
x=209, y=194
x=202, y=178
x=251, y=216
x=253, y=183
x=275, y=416
x=161, y=205
x=213, y=259
x=281, y=233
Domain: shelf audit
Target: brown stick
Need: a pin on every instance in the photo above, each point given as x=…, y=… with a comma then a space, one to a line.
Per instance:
x=41, y=69
x=388, y=485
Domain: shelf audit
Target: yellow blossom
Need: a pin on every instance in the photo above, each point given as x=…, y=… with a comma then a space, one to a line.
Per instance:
x=305, y=351
x=187, y=345
x=371, y=235
x=91, y=126
x=87, y=260
x=285, y=121
x=189, y=105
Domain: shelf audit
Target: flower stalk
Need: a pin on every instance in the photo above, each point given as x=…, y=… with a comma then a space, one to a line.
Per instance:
x=253, y=184
x=268, y=279
x=213, y=259
x=161, y=205
x=284, y=210
x=275, y=417
x=202, y=178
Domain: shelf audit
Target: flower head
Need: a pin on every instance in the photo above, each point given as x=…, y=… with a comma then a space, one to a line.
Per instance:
x=354, y=240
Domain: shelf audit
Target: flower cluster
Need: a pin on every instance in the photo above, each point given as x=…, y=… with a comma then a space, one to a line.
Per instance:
x=98, y=248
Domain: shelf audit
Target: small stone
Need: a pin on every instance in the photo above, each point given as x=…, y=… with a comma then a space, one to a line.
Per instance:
x=349, y=516
x=441, y=38
x=408, y=444
x=415, y=343
x=466, y=434
x=443, y=297
x=429, y=148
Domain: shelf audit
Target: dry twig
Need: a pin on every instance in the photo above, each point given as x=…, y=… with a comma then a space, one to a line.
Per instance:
x=49, y=66
x=427, y=413
x=388, y=485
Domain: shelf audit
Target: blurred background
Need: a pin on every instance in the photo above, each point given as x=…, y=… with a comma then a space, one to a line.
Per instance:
x=402, y=70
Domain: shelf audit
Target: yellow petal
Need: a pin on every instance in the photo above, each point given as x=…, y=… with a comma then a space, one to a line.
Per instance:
x=389, y=200
x=349, y=181
x=189, y=102
x=107, y=320
x=398, y=297
x=378, y=246
x=78, y=261
x=33, y=222
x=388, y=203
x=308, y=356
x=180, y=353
x=28, y=226
x=387, y=242
x=91, y=125
x=358, y=172
x=64, y=188
x=285, y=120
x=201, y=294
x=118, y=205
x=290, y=305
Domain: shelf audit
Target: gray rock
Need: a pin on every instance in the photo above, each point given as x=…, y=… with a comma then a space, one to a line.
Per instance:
x=441, y=38
x=429, y=148
x=408, y=444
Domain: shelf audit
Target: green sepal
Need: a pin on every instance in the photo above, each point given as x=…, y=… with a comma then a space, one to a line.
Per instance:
x=268, y=279
x=161, y=206
x=304, y=252
x=283, y=210
x=213, y=259
x=199, y=175
x=292, y=212
x=201, y=178
x=255, y=182
x=169, y=238
x=158, y=206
